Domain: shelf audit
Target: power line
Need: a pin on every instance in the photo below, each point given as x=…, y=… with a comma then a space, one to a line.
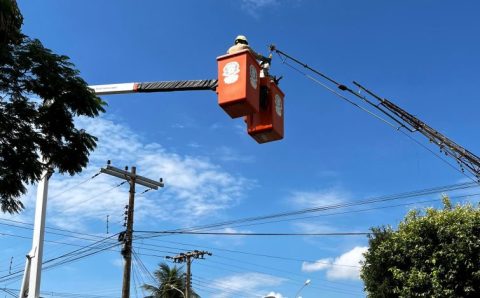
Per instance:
x=74, y=186
x=228, y=267
x=373, y=200
x=143, y=268
x=353, y=211
x=71, y=256
x=276, y=269
x=253, y=234
x=29, y=226
x=59, y=294
x=270, y=268
x=339, y=95
x=96, y=196
x=240, y=252
x=53, y=233
x=224, y=287
x=461, y=155
x=52, y=228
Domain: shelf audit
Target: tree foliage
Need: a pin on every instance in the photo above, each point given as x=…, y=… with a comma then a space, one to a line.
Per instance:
x=166, y=278
x=10, y=21
x=435, y=253
x=40, y=95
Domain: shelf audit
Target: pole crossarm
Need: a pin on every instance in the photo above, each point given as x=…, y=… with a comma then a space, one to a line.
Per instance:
x=160, y=86
x=188, y=257
x=122, y=174
x=184, y=257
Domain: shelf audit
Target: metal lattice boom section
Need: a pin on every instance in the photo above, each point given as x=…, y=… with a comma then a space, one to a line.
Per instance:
x=464, y=158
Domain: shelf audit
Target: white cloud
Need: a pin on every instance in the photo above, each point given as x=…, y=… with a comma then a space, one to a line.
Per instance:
x=235, y=240
x=118, y=262
x=304, y=227
x=346, y=266
x=245, y=284
x=276, y=295
x=306, y=199
x=253, y=7
x=195, y=187
x=319, y=265
x=229, y=154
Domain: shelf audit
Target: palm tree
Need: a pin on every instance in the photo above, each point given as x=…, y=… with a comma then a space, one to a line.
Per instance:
x=171, y=283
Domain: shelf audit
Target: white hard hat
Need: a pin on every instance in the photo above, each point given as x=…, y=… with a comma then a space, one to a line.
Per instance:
x=242, y=38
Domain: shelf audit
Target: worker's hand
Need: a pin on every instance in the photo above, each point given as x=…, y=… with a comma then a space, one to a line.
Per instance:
x=266, y=60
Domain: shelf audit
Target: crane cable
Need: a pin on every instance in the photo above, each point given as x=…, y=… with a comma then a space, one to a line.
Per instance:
x=340, y=86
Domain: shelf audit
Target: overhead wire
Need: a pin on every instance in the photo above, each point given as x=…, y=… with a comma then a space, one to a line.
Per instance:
x=363, y=98
x=16, y=267
x=95, y=196
x=229, y=267
x=49, y=231
x=266, y=267
x=52, y=228
x=45, y=293
x=74, y=186
x=134, y=277
x=385, y=198
x=19, y=266
x=339, y=95
x=255, y=234
x=354, y=211
x=143, y=268
x=220, y=286
x=262, y=255
x=71, y=256
x=239, y=252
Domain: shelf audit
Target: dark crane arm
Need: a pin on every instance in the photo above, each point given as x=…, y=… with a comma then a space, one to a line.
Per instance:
x=465, y=159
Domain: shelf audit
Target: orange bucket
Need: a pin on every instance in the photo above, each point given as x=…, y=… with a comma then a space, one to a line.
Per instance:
x=267, y=125
x=238, y=84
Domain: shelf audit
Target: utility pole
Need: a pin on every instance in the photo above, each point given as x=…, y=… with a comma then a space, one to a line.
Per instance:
x=33, y=266
x=188, y=258
x=127, y=236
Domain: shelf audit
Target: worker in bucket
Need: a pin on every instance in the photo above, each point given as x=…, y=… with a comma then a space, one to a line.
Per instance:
x=241, y=43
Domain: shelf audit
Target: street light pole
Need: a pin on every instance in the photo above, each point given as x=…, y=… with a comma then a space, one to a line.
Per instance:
x=177, y=289
x=307, y=282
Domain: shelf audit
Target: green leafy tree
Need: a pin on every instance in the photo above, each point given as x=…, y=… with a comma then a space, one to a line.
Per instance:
x=10, y=21
x=42, y=127
x=168, y=278
x=435, y=253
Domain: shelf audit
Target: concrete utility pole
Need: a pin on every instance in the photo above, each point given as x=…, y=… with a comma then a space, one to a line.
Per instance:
x=127, y=235
x=33, y=267
x=188, y=258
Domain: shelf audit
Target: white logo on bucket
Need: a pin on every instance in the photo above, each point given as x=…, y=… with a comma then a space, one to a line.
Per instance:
x=278, y=105
x=253, y=77
x=230, y=72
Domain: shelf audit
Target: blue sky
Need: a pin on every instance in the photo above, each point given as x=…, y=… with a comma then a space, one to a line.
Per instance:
x=423, y=55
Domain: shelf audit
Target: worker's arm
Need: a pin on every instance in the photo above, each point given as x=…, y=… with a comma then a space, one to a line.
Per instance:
x=260, y=57
x=241, y=47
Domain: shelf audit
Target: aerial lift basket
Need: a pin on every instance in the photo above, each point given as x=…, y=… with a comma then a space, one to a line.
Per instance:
x=267, y=124
x=238, y=84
